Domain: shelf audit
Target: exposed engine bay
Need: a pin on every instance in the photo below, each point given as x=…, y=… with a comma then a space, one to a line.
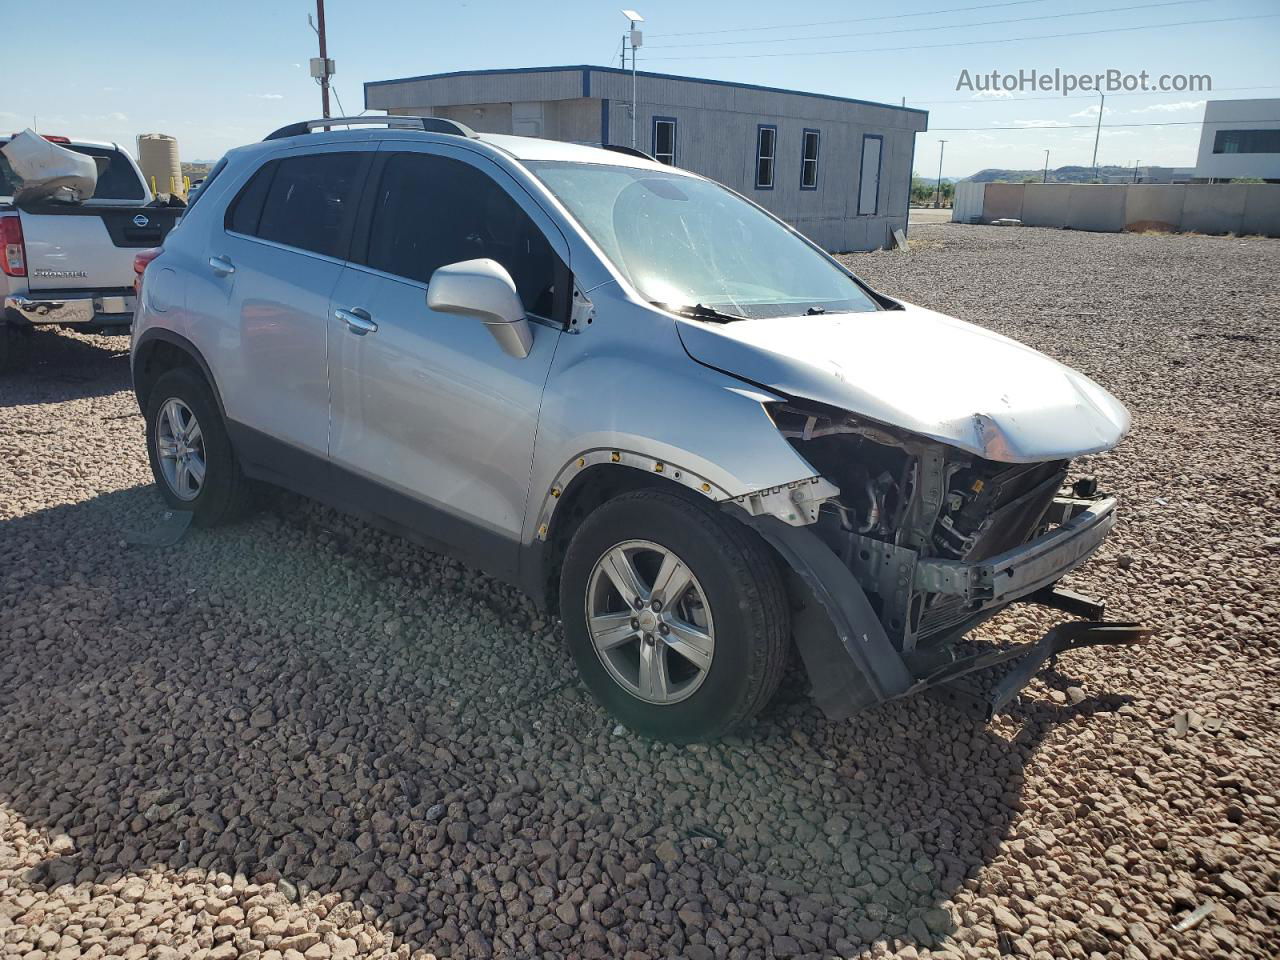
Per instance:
x=933, y=533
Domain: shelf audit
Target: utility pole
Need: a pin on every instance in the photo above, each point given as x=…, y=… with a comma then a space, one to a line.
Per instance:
x=634, y=39
x=324, y=56
x=1098, y=133
x=1135, y=171
x=942, y=146
x=1046, y=167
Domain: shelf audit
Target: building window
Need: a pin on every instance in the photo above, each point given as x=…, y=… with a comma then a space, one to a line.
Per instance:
x=869, y=175
x=664, y=140
x=766, y=150
x=809, y=161
x=1246, y=141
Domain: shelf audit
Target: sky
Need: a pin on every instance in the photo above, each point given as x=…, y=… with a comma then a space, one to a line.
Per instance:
x=233, y=71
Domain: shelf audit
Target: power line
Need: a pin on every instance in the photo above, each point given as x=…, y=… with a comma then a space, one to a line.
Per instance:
x=824, y=23
x=973, y=43
x=947, y=26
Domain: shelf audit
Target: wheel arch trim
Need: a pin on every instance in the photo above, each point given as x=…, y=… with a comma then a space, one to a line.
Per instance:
x=156, y=335
x=856, y=627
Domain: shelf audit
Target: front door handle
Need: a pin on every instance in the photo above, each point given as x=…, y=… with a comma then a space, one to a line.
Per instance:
x=357, y=320
x=222, y=266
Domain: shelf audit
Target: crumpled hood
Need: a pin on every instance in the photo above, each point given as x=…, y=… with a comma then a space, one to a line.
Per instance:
x=924, y=372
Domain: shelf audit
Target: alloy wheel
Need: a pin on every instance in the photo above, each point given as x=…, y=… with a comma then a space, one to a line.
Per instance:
x=180, y=448
x=650, y=622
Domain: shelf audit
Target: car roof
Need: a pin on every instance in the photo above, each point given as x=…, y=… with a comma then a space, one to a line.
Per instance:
x=520, y=149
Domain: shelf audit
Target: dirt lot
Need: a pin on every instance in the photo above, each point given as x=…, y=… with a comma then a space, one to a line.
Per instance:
x=300, y=737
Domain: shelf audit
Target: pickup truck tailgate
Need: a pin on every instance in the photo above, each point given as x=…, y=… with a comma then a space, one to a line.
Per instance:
x=85, y=246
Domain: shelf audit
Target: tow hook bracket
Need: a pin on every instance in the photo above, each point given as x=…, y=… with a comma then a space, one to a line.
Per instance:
x=1068, y=601
x=948, y=685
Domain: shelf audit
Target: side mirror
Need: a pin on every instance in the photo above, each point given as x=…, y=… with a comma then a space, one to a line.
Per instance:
x=483, y=289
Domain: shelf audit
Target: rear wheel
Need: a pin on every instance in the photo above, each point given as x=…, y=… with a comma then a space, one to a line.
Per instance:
x=677, y=618
x=190, y=453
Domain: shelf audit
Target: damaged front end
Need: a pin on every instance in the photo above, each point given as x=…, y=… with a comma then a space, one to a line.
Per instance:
x=938, y=540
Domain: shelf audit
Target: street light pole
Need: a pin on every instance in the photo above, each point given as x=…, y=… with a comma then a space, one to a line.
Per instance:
x=1046, y=167
x=937, y=202
x=1098, y=133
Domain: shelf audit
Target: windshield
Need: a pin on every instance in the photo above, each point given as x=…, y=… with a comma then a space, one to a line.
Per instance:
x=685, y=242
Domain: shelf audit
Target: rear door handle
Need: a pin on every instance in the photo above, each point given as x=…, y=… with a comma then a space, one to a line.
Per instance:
x=357, y=320
x=222, y=266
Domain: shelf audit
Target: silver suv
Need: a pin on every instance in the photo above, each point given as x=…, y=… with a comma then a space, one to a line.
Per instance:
x=662, y=412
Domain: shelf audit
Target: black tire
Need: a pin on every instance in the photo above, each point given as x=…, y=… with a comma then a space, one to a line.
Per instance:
x=225, y=494
x=743, y=589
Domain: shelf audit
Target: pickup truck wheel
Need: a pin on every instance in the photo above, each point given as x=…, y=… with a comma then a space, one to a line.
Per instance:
x=676, y=618
x=191, y=455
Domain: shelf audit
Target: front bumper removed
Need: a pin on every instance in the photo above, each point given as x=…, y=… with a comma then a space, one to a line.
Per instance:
x=949, y=682
x=854, y=663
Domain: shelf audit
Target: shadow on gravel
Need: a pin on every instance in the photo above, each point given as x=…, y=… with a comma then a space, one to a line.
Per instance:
x=63, y=366
x=305, y=701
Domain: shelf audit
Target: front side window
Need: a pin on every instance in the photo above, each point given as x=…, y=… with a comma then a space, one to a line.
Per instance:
x=766, y=150
x=684, y=242
x=431, y=211
x=809, y=161
x=305, y=202
x=664, y=140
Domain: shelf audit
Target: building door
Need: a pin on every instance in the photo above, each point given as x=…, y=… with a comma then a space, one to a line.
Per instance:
x=869, y=177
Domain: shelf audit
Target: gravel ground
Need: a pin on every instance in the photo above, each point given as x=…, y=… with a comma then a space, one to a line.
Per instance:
x=301, y=738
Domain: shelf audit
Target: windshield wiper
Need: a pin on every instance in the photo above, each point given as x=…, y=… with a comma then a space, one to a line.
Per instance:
x=699, y=312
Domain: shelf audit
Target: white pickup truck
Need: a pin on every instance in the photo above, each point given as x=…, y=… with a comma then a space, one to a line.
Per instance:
x=70, y=262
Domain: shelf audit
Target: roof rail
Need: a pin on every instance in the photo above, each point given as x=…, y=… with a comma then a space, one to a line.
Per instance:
x=425, y=124
x=629, y=151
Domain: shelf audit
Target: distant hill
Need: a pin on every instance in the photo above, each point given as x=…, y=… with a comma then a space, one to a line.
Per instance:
x=1058, y=175
x=196, y=171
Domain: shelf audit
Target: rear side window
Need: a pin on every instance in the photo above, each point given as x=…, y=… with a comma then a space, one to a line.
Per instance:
x=305, y=202
x=431, y=211
x=246, y=209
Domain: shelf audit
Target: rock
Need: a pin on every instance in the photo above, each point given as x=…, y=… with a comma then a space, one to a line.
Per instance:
x=785, y=946
x=1234, y=886
x=667, y=852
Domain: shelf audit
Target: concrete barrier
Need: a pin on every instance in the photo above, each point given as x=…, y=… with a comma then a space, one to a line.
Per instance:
x=1214, y=207
x=967, y=203
x=1002, y=201
x=1045, y=204
x=1153, y=206
x=1245, y=208
x=1261, y=209
x=1096, y=206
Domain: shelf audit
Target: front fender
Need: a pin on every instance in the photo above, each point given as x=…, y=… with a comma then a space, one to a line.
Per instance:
x=623, y=390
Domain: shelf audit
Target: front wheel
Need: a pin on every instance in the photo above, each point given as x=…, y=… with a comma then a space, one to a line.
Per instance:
x=676, y=617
